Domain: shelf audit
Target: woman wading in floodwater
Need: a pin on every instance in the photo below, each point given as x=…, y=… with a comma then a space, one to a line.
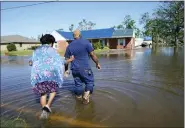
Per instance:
x=47, y=72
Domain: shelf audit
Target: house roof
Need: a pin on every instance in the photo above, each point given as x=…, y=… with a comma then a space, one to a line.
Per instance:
x=58, y=37
x=16, y=38
x=123, y=33
x=90, y=34
x=66, y=35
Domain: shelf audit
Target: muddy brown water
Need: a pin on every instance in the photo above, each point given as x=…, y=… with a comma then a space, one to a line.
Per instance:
x=139, y=88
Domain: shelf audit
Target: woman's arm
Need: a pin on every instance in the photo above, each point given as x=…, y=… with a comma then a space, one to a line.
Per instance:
x=69, y=60
x=30, y=63
x=31, y=60
x=66, y=73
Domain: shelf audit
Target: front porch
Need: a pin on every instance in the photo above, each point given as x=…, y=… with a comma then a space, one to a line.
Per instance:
x=115, y=43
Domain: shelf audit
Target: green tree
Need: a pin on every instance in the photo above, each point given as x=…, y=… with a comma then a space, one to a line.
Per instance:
x=166, y=23
x=120, y=26
x=138, y=32
x=97, y=45
x=38, y=37
x=11, y=47
x=71, y=27
x=129, y=23
x=85, y=25
x=146, y=21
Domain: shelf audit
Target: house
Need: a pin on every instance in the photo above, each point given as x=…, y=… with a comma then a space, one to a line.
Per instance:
x=122, y=39
x=21, y=43
x=61, y=44
x=110, y=37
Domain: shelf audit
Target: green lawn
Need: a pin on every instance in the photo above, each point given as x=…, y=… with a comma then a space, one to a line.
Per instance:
x=18, y=53
x=100, y=51
x=29, y=52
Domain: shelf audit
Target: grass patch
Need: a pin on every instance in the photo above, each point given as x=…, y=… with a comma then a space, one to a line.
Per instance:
x=3, y=52
x=18, y=53
x=100, y=51
x=29, y=52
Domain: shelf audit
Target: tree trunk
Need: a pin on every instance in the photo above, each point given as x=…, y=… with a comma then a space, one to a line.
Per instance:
x=175, y=51
x=175, y=39
x=152, y=38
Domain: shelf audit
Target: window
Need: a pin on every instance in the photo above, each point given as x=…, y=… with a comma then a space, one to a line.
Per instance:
x=102, y=42
x=121, y=42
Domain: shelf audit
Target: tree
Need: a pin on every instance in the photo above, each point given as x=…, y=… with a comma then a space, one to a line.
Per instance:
x=166, y=24
x=97, y=45
x=129, y=22
x=120, y=26
x=71, y=27
x=138, y=32
x=146, y=21
x=85, y=25
x=32, y=38
x=11, y=47
x=38, y=37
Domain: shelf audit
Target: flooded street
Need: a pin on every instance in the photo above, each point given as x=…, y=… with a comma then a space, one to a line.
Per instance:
x=139, y=88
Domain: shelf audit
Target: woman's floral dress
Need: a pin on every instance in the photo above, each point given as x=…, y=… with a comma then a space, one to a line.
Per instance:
x=47, y=70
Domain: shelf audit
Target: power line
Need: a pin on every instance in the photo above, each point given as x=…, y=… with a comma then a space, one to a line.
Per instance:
x=26, y=5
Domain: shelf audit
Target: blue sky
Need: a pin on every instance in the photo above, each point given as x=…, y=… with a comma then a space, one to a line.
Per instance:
x=44, y=18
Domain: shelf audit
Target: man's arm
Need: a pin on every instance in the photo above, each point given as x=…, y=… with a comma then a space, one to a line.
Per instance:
x=95, y=59
x=93, y=56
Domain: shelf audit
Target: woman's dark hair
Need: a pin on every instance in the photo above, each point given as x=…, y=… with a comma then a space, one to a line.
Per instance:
x=47, y=39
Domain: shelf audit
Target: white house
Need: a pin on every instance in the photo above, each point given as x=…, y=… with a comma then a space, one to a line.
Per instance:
x=58, y=38
x=61, y=44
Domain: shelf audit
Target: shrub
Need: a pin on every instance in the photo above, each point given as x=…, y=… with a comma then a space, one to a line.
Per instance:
x=97, y=45
x=34, y=47
x=105, y=47
x=11, y=47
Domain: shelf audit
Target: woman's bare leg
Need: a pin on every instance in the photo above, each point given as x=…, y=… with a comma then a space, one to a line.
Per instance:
x=51, y=97
x=43, y=100
x=44, y=114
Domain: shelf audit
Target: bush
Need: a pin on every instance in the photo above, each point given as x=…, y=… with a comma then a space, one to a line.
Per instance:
x=97, y=45
x=11, y=47
x=34, y=47
x=105, y=47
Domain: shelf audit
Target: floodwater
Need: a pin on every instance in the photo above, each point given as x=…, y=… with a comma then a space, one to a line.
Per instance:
x=139, y=88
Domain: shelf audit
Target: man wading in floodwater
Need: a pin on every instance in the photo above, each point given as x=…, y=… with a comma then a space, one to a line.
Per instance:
x=81, y=70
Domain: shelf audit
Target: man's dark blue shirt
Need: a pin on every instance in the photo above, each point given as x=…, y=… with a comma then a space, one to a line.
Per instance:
x=81, y=49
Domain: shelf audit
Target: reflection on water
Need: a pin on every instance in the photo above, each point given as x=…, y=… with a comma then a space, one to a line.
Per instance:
x=141, y=88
